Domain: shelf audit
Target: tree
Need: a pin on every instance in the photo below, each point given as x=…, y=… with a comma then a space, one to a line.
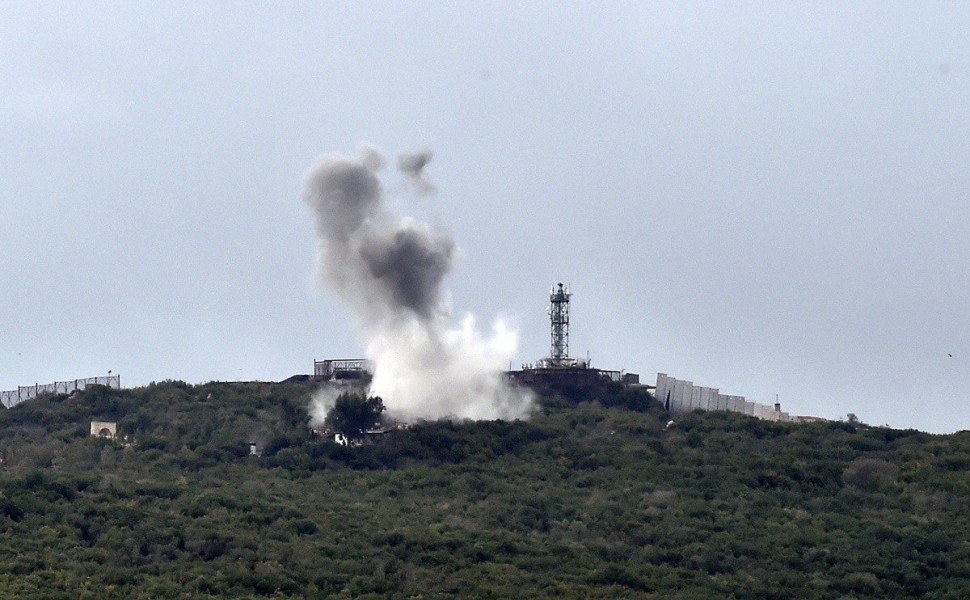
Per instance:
x=353, y=414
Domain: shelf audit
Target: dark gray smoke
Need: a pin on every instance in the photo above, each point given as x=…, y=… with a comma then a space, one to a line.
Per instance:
x=413, y=165
x=395, y=264
x=411, y=265
x=347, y=193
x=389, y=269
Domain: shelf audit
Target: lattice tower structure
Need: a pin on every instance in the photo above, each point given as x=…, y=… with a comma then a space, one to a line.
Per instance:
x=559, y=321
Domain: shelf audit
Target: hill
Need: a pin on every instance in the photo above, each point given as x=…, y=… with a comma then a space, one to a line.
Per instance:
x=592, y=498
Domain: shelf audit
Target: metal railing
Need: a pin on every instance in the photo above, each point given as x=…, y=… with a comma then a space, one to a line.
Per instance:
x=329, y=368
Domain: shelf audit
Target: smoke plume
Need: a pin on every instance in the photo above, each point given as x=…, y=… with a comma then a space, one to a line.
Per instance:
x=389, y=270
x=324, y=399
x=413, y=165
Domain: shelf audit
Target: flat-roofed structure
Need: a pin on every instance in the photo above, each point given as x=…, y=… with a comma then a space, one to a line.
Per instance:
x=340, y=369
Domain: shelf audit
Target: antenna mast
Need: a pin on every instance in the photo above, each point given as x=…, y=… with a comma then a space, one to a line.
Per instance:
x=559, y=319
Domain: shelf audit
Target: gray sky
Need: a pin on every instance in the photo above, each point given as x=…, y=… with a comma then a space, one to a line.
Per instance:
x=769, y=198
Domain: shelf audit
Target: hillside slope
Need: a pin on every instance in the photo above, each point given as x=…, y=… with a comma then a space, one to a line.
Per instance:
x=582, y=501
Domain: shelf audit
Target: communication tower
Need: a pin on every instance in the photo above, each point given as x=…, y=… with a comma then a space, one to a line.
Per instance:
x=559, y=318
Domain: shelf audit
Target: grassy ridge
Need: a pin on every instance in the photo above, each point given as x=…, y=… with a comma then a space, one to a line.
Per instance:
x=583, y=501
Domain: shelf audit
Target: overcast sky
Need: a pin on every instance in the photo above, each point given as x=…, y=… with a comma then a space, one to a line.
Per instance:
x=767, y=198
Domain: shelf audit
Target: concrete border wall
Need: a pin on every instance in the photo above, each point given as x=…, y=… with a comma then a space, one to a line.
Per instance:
x=680, y=396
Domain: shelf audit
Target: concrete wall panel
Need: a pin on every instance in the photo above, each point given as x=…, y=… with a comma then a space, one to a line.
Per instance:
x=662, y=388
x=712, y=398
x=680, y=396
x=675, y=390
x=686, y=395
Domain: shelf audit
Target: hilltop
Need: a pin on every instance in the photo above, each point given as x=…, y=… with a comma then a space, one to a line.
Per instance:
x=593, y=497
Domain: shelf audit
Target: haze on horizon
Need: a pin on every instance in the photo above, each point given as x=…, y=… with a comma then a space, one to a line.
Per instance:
x=764, y=198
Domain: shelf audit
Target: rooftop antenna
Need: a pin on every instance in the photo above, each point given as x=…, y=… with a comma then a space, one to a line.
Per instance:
x=559, y=319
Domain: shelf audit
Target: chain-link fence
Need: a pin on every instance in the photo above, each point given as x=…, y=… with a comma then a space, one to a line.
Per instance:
x=12, y=398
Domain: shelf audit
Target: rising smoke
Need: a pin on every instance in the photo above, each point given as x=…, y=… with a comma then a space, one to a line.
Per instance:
x=413, y=165
x=389, y=269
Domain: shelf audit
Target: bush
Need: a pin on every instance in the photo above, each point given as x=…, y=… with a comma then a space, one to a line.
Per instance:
x=870, y=474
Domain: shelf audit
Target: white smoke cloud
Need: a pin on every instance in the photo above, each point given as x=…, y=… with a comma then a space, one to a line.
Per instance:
x=389, y=269
x=321, y=402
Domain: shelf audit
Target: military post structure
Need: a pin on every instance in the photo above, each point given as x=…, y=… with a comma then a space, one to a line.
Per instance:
x=560, y=372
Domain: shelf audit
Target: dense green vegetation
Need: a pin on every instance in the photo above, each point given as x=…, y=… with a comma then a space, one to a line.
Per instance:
x=586, y=500
x=354, y=413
